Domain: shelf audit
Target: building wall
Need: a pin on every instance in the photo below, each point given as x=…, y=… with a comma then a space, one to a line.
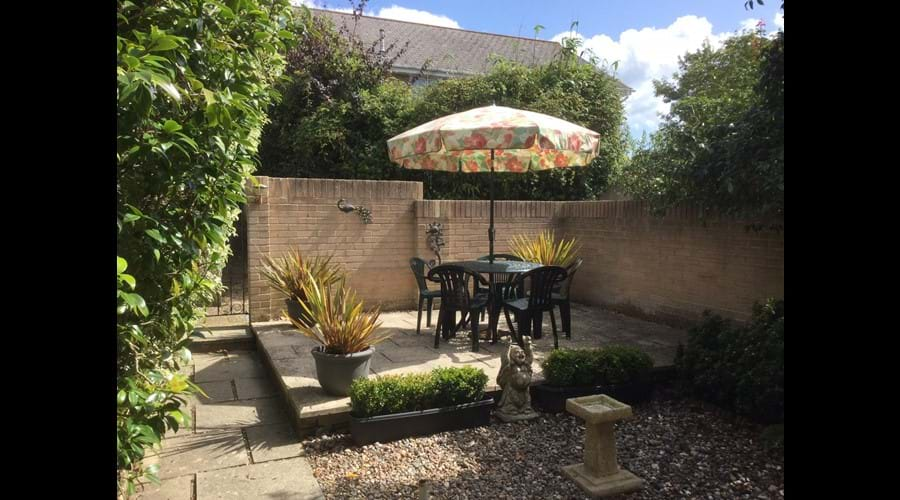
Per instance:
x=669, y=268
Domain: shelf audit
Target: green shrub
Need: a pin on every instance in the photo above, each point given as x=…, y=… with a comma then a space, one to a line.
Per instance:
x=342, y=103
x=739, y=367
x=721, y=146
x=455, y=386
x=605, y=366
x=419, y=391
x=621, y=364
x=193, y=82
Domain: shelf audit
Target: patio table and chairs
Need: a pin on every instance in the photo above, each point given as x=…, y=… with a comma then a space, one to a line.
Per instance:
x=456, y=296
x=561, y=296
x=425, y=295
x=487, y=140
x=502, y=280
x=529, y=310
x=527, y=289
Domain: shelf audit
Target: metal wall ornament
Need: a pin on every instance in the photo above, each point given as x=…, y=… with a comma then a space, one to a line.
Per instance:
x=435, y=238
x=364, y=213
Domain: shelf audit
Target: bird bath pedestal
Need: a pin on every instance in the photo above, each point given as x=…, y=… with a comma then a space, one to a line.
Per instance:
x=600, y=474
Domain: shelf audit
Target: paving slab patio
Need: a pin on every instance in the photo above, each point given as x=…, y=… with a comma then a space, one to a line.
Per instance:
x=407, y=352
x=282, y=479
x=240, y=443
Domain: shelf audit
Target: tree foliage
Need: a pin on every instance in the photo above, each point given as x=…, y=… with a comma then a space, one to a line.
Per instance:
x=341, y=105
x=194, y=80
x=722, y=144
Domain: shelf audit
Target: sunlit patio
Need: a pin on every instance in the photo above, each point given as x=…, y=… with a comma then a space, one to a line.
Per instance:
x=288, y=353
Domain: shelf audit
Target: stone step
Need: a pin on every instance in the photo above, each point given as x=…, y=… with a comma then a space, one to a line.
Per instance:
x=215, y=338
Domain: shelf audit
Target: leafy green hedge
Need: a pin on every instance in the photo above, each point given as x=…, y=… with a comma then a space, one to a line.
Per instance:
x=342, y=103
x=739, y=367
x=590, y=367
x=721, y=146
x=414, y=392
x=193, y=82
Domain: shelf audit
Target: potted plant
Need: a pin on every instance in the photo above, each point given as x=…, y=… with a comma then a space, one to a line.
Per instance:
x=344, y=331
x=288, y=274
x=545, y=249
x=394, y=407
x=621, y=372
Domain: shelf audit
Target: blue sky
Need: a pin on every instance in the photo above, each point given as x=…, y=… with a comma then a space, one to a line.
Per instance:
x=645, y=37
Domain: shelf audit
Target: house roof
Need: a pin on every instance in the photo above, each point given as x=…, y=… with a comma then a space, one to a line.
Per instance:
x=447, y=51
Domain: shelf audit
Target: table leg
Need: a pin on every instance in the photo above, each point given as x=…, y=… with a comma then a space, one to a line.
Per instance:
x=493, y=316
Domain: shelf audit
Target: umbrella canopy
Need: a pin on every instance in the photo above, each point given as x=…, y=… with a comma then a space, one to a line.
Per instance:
x=519, y=140
x=494, y=139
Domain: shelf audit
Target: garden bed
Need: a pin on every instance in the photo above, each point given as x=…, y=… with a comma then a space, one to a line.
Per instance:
x=680, y=448
x=385, y=428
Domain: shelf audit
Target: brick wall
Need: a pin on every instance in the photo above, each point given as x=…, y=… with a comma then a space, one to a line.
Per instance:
x=303, y=213
x=674, y=267
x=669, y=268
x=466, y=225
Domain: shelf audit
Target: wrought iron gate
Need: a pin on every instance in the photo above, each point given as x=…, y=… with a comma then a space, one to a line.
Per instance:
x=234, y=298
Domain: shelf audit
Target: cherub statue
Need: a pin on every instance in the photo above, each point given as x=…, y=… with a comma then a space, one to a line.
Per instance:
x=515, y=378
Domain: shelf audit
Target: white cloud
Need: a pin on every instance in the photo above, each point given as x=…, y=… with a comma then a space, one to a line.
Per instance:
x=647, y=54
x=749, y=24
x=416, y=16
x=393, y=12
x=779, y=20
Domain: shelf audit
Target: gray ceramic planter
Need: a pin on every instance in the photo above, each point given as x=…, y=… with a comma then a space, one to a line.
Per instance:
x=337, y=371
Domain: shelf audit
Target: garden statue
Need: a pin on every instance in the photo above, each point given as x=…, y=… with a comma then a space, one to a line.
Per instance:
x=435, y=239
x=515, y=378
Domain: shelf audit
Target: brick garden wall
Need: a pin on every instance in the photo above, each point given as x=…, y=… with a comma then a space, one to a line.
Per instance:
x=303, y=213
x=669, y=268
x=674, y=267
x=466, y=225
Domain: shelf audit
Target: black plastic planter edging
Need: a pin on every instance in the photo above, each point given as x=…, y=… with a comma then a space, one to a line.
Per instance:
x=552, y=399
x=384, y=428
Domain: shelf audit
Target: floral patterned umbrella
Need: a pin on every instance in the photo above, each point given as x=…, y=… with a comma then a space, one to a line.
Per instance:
x=494, y=139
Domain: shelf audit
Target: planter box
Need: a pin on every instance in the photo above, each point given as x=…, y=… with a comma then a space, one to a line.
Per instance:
x=552, y=399
x=384, y=428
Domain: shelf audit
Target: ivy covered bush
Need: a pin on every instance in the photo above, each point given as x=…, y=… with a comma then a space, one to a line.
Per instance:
x=610, y=365
x=739, y=367
x=440, y=388
x=194, y=80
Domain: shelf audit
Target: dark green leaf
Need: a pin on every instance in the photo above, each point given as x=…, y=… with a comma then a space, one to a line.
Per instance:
x=153, y=233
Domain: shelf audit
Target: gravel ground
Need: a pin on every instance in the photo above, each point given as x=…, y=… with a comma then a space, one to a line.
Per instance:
x=682, y=449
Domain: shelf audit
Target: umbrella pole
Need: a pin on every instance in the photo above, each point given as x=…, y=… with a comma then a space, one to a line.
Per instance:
x=491, y=229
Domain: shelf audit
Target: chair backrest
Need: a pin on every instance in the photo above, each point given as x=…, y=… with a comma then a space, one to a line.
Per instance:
x=454, y=282
x=418, y=268
x=543, y=279
x=501, y=256
x=570, y=276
